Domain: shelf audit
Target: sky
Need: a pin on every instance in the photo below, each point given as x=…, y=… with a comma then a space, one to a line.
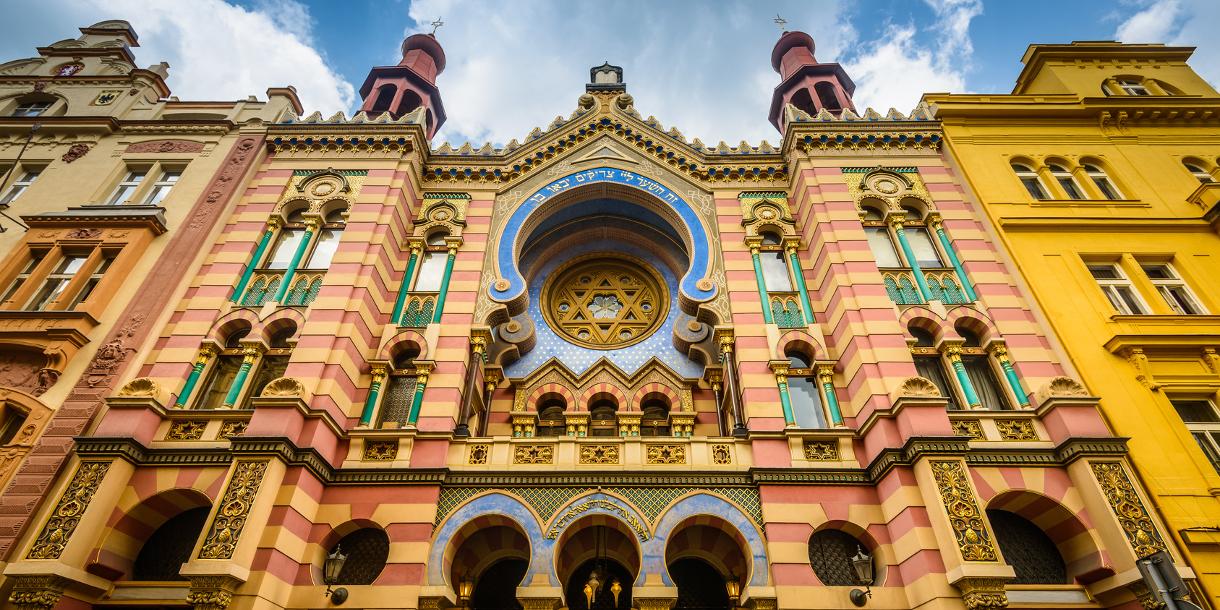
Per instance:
x=703, y=67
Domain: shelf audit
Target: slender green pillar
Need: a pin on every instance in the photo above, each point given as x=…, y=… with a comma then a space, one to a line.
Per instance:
x=806, y=306
x=370, y=403
x=249, y=355
x=920, y=280
x=273, y=223
x=405, y=284
x=421, y=382
x=957, y=264
x=826, y=378
x=785, y=400
x=440, y=298
x=762, y=285
x=311, y=225
x=959, y=368
x=1001, y=353
x=205, y=354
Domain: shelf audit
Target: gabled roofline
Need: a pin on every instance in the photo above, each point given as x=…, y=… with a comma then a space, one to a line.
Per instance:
x=1036, y=55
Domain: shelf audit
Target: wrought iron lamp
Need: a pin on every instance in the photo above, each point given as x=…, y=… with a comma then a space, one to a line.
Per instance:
x=331, y=568
x=733, y=586
x=465, y=590
x=862, y=563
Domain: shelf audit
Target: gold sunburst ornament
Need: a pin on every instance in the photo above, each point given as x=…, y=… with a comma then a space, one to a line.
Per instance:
x=605, y=301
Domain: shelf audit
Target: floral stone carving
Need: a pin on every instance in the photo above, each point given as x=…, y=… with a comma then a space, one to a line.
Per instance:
x=72, y=505
x=969, y=525
x=234, y=508
x=284, y=387
x=1128, y=508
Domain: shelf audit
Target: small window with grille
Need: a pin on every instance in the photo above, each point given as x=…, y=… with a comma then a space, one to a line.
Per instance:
x=366, y=550
x=399, y=392
x=830, y=553
x=1031, y=553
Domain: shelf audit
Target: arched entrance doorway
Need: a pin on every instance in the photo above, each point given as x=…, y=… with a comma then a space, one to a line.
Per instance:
x=702, y=555
x=700, y=586
x=599, y=553
x=496, y=587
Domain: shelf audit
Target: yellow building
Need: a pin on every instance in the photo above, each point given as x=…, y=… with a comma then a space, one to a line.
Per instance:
x=1098, y=173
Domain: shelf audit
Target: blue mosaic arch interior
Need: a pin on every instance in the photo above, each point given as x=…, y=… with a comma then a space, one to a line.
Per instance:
x=512, y=238
x=706, y=504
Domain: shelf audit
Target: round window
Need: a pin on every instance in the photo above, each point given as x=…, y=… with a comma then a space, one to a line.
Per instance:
x=604, y=301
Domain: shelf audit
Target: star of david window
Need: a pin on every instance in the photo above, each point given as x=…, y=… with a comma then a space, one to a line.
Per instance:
x=605, y=302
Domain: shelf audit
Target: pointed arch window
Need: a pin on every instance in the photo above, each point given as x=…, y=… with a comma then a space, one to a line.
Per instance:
x=780, y=283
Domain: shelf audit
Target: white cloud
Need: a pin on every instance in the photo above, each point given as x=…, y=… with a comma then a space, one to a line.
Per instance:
x=216, y=50
x=1179, y=22
x=895, y=70
x=703, y=68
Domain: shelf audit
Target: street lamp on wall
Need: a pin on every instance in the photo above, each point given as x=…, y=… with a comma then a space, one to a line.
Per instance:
x=733, y=587
x=465, y=590
x=331, y=569
x=862, y=564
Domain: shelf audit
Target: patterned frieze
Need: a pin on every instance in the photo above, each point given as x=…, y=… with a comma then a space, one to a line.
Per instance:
x=68, y=511
x=961, y=504
x=1128, y=508
x=235, y=506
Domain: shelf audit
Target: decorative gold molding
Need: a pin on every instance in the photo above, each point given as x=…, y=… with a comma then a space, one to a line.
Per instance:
x=1128, y=508
x=969, y=524
x=235, y=506
x=67, y=515
x=983, y=593
x=822, y=451
x=722, y=454
x=212, y=592
x=380, y=451
x=599, y=454
x=478, y=454
x=577, y=510
x=663, y=454
x=39, y=592
x=1016, y=429
x=971, y=428
x=186, y=430
x=231, y=428
x=533, y=454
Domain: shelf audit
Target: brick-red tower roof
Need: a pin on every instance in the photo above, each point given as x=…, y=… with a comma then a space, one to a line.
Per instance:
x=405, y=87
x=804, y=82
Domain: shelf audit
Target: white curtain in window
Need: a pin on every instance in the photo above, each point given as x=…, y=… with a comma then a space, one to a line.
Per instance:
x=883, y=247
x=431, y=272
x=328, y=242
x=806, y=402
x=775, y=272
x=284, y=249
x=921, y=245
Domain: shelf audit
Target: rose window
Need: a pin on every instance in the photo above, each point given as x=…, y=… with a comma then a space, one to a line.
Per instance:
x=603, y=302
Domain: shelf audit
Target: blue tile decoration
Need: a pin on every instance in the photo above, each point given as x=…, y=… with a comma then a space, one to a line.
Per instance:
x=578, y=359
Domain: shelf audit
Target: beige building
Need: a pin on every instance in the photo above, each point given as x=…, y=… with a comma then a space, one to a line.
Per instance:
x=101, y=168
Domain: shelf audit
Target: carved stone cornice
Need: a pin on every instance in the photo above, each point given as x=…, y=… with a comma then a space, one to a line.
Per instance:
x=212, y=592
x=983, y=593
x=39, y=592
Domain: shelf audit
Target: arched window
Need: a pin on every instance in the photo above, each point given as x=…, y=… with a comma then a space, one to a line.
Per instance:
x=1030, y=180
x=655, y=418
x=224, y=371
x=550, y=416
x=931, y=366
x=288, y=242
x=602, y=417
x=1066, y=182
x=273, y=363
x=982, y=375
x=827, y=96
x=1031, y=553
x=410, y=101
x=432, y=267
x=1102, y=181
x=1200, y=174
x=366, y=550
x=804, y=102
x=804, y=392
x=879, y=239
x=34, y=104
x=399, y=391
x=1132, y=86
x=385, y=97
x=830, y=553
x=170, y=546
x=328, y=241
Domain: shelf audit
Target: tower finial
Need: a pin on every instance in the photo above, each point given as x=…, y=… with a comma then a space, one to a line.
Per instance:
x=780, y=22
x=436, y=25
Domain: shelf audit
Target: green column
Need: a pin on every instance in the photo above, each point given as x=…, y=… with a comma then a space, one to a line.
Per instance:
x=311, y=224
x=920, y=280
x=957, y=264
x=827, y=379
x=403, y=287
x=1010, y=373
x=440, y=298
x=421, y=382
x=762, y=286
x=959, y=368
x=800, y=285
x=247, y=362
x=205, y=354
x=272, y=225
x=370, y=403
x=785, y=400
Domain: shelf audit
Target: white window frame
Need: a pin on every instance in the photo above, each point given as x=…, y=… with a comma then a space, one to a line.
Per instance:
x=19, y=186
x=1200, y=173
x=1130, y=87
x=62, y=277
x=1112, y=289
x=1204, y=433
x=131, y=180
x=164, y=184
x=1099, y=177
x=1166, y=286
x=1064, y=173
x=1024, y=172
x=23, y=276
x=26, y=109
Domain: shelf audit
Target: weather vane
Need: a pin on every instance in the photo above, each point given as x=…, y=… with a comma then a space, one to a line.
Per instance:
x=781, y=22
x=436, y=24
